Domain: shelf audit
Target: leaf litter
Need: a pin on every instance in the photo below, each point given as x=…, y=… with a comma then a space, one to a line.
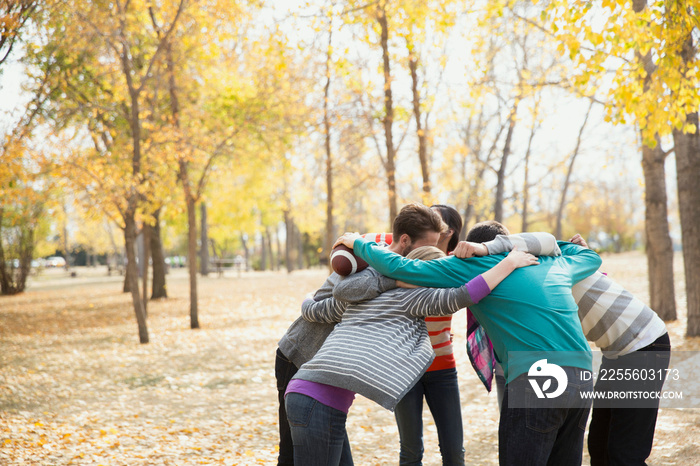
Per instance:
x=77, y=388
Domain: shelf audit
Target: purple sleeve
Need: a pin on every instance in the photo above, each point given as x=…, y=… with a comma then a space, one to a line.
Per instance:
x=478, y=288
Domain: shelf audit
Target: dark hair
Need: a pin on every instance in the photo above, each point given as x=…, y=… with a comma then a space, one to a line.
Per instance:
x=453, y=221
x=415, y=220
x=486, y=231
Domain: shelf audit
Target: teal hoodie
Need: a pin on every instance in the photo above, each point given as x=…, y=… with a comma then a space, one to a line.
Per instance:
x=531, y=315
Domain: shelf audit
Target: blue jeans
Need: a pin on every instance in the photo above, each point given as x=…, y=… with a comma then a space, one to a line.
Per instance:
x=284, y=371
x=540, y=434
x=623, y=436
x=441, y=392
x=318, y=432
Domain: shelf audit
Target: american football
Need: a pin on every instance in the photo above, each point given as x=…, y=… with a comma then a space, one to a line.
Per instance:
x=344, y=262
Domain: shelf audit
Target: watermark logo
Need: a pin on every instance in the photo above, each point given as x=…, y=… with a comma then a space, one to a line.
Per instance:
x=542, y=369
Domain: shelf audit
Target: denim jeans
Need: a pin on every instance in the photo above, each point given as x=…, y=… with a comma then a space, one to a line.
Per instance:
x=284, y=371
x=441, y=392
x=623, y=436
x=318, y=432
x=540, y=434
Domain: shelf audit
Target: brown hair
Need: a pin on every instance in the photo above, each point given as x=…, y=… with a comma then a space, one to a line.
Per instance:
x=453, y=221
x=486, y=231
x=415, y=220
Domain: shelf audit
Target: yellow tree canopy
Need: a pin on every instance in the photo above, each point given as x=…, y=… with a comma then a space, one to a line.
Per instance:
x=650, y=81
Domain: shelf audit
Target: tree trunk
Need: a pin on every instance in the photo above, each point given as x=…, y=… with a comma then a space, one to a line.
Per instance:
x=659, y=246
x=159, y=289
x=472, y=196
x=388, y=117
x=658, y=240
x=263, y=252
x=5, y=276
x=278, y=261
x=146, y=232
x=204, y=242
x=13, y=280
x=526, y=181
x=140, y=252
x=467, y=215
x=26, y=254
x=268, y=242
x=289, y=244
x=687, y=149
x=127, y=277
x=300, y=247
x=420, y=131
x=130, y=216
x=132, y=273
x=525, y=221
x=65, y=244
x=192, y=260
x=569, y=171
x=246, y=252
x=330, y=228
x=501, y=173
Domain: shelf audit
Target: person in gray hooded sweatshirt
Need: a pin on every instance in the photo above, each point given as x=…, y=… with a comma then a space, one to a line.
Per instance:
x=416, y=225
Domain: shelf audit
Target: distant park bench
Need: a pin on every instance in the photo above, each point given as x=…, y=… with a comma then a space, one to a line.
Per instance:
x=220, y=264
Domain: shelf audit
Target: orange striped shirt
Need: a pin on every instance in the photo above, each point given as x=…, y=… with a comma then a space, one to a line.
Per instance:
x=439, y=329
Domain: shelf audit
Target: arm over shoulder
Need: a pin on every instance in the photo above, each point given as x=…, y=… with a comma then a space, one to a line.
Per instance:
x=445, y=272
x=537, y=244
x=361, y=286
x=582, y=261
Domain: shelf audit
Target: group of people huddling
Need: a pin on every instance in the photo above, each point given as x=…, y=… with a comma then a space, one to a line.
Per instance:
x=532, y=301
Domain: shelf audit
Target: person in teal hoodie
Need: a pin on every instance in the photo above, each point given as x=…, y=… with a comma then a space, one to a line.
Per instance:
x=533, y=322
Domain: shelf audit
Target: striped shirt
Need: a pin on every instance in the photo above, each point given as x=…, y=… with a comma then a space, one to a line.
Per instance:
x=613, y=319
x=303, y=338
x=381, y=346
x=440, y=332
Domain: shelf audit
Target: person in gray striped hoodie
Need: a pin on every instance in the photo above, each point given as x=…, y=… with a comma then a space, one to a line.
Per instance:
x=416, y=225
x=630, y=335
x=379, y=349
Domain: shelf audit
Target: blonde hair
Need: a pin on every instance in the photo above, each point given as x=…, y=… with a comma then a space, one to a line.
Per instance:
x=426, y=253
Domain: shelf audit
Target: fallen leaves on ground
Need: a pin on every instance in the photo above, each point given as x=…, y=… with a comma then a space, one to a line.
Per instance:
x=76, y=387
